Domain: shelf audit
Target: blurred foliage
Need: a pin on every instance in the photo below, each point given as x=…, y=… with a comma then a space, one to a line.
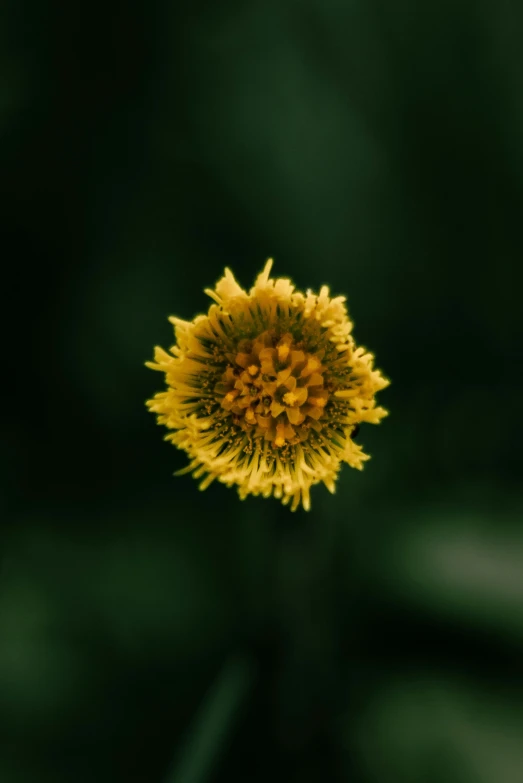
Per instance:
x=371, y=146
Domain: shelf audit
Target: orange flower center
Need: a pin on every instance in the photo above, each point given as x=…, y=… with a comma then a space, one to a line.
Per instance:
x=275, y=389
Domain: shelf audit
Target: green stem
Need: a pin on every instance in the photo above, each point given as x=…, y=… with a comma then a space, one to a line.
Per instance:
x=214, y=722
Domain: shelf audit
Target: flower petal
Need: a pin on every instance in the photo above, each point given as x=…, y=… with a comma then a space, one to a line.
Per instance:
x=276, y=408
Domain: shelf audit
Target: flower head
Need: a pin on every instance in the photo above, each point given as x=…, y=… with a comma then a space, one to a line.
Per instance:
x=268, y=389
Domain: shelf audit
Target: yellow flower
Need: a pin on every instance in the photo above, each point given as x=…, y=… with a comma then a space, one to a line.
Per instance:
x=268, y=389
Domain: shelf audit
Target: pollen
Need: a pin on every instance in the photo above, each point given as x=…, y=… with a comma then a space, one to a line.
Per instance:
x=312, y=364
x=267, y=390
x=283, y=352
x=250, y=416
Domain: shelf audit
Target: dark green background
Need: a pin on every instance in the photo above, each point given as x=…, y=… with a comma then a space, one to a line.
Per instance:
x=147, y=629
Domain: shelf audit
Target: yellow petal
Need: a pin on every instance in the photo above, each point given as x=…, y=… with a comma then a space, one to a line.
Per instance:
x=276, y=408
x=295, y=415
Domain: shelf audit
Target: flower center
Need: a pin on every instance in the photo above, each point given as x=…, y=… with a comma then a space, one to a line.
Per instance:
x=274, y=389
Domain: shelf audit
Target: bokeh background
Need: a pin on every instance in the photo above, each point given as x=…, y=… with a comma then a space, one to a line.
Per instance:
x=150, y=633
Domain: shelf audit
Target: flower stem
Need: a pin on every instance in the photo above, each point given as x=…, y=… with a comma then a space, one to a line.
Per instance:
x=214, y=722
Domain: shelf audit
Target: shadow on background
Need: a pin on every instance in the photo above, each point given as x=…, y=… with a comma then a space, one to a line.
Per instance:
x=150, y=633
